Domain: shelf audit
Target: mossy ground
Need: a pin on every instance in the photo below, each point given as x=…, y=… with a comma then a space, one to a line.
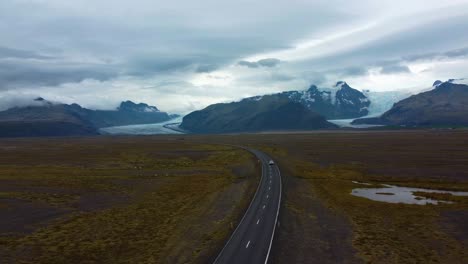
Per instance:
x=383, y=232
x=320, y=217
x=159, y=201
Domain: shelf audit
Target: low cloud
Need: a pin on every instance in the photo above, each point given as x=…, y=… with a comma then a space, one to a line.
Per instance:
x=269, y=62
x=9, y=53
x=205, y=68
x=8, y=101
x=456, y=53
x=395, y=69
x=14, y=74
x=248, y=64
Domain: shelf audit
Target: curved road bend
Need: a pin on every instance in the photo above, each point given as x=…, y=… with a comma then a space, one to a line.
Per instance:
x=252, y=239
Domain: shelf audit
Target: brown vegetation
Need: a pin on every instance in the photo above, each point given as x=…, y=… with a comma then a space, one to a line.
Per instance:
x=120, y=200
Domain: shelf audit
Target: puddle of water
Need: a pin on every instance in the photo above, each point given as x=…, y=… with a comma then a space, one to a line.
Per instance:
x=397, y=194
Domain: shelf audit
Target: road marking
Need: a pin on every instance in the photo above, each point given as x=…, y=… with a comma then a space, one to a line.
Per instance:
x=263, y=207
x=269, y=188
x=268, y=196
x=258, y=221
x=248, y=243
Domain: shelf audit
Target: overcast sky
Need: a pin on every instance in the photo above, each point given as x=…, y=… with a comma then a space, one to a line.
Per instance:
x=184, y=55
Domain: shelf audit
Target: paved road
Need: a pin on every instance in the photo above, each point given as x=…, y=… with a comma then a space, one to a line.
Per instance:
x=252, y=239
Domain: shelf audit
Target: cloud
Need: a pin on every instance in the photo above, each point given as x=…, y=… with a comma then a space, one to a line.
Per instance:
x=10, y=100
x=269, y=62
x=17, y=74
x=22, y=54
x=391, y=69
x=207, y=68
x=451, y=54
x=248, y=64
x=179, y=55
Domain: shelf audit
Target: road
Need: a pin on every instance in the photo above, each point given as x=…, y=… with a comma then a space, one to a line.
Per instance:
x=251, y=241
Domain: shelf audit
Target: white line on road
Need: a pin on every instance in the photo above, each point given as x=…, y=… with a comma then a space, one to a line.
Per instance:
x=268, y=196
x=258, y=221
x=269, y=188
x=263, y=207
x=248, y=243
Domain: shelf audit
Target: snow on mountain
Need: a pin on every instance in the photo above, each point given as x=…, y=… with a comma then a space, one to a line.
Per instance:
x=339, y=101
x=130, y=106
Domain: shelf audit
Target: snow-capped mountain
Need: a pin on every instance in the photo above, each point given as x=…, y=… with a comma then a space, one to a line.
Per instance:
x=141, y=107
x=338, y=102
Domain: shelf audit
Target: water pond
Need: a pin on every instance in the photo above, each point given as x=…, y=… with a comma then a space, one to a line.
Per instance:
x=398, y=194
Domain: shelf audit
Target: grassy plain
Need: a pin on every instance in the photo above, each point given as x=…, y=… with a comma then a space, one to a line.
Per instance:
x=321, y=222
x=120, y=200
x=175, y=199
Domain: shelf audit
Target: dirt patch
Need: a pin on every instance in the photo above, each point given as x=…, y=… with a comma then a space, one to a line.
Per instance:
x=99, y=201
x=309, y=232
x=7, y=185
x=23, y=217
x=454, y=223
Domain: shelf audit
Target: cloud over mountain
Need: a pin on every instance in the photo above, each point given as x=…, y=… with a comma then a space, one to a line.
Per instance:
x=224, y=51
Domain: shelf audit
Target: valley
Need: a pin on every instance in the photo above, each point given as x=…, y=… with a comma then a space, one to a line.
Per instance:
x=123, y=184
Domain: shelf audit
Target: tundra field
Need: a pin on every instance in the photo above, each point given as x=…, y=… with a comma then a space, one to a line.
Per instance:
x=120, y=200
x=176, y=199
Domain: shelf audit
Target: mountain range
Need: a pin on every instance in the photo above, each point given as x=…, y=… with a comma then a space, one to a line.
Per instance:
x=446, y=105
x=45, y=118
x=291, y=110
x=338, y=102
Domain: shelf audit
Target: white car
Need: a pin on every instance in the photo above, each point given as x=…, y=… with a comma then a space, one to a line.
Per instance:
x=271, y=162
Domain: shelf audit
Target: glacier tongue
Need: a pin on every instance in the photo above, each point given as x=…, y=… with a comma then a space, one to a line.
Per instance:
x=383, y=101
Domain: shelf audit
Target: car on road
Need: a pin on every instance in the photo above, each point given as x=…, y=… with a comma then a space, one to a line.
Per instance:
x=271, y=162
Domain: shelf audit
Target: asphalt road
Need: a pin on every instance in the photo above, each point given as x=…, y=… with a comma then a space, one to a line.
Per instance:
x=251, y=241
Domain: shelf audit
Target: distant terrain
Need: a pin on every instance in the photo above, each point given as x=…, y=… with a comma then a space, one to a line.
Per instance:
x=45, y=118
x=446, y=105
x=267, y=113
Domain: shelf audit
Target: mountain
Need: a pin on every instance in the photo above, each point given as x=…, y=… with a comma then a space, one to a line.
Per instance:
x=339, y=102
x=266, y=113
x=445, y=105
x=45, y=118
x=128, y=113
